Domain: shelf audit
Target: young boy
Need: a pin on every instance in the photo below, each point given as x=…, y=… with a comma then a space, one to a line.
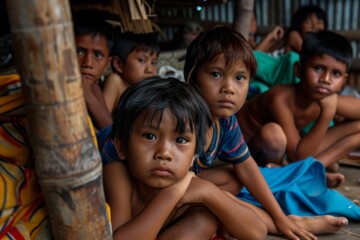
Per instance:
x=272, y=122
x=219, y=63
x=93, y=43
x=159, y=127
x=134, y=58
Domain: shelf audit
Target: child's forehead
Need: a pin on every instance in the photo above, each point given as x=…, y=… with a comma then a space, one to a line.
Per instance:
x=227, y=62
x=92, y=39
x=327, y=60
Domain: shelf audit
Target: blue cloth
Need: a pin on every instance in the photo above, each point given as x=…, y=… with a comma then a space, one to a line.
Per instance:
x=300, y=188
x=107, y=147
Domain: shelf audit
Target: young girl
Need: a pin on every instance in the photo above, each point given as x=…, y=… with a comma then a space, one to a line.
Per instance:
x=219, y=63
x=309, y=18
x=159, y=127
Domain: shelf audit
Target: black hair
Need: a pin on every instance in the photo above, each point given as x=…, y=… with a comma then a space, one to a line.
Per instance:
x=304, y=12
x=152, y=96
x=127, y=42
x=213, y=42
x=326, y=43
x=93, y=22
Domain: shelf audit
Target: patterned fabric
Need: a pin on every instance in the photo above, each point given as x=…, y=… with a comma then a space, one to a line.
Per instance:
x=227, y=145
x=23, y=214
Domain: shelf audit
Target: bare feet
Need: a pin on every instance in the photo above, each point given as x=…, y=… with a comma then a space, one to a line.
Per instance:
x=334, y=180
x=320, y=224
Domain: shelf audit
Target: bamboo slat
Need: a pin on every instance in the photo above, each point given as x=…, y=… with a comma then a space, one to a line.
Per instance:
x=67, y=161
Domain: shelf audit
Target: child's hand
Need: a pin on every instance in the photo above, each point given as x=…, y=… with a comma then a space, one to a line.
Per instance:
x=181, y=186
x=328, y=105
x=277, y=33
x=290, y=229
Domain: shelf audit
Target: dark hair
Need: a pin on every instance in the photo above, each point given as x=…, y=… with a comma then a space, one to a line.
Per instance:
x=152, y=96
x=93, y=22
x=304, y=12
x=326, y=43
x=127, y=42
x=213, y=42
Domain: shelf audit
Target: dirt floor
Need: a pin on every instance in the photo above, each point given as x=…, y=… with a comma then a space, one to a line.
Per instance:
x=351, y=189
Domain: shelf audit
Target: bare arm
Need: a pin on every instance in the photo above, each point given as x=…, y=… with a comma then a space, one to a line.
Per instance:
x=229, y=211
x=348, y=107
x=113, y=87
x=96, y=106
x=298, y=147
x=271, y=39
x=249, y=174
x=119, y=191
x=294, y=41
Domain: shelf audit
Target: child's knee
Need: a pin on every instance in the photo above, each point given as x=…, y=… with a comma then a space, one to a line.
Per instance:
x=274, y=136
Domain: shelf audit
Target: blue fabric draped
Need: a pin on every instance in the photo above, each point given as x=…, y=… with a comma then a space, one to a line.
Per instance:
x=300, y=188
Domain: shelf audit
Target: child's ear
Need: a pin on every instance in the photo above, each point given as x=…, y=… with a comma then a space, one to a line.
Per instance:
x=117, y=64
x=297, y=67
x=120, y=149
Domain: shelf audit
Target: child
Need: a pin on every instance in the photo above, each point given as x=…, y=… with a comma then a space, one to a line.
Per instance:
x=219, y=63
x=93, y=43
x=309, y=18
x=272, y=122
x=134, y=57
x=159, y=127
x=271, y=42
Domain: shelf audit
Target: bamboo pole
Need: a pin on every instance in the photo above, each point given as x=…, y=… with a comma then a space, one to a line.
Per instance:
x=243, y=13
x=67, y=161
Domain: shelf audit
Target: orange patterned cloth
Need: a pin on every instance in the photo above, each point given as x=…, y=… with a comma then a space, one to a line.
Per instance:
x=22, y=207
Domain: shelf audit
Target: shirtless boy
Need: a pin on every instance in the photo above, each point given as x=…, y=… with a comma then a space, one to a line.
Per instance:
x=272, y=122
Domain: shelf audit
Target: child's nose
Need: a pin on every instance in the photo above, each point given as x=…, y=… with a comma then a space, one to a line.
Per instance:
x=163, y=151
x=87, y=60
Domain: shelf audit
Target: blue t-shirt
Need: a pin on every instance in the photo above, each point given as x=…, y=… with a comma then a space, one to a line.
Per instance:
x=227, y=145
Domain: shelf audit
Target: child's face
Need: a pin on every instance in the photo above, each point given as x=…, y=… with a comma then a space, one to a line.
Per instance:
x=138, y=66
x=223, y=89
x=93, y=56
x=322, y=76
x=159, y=156
x=312, y=24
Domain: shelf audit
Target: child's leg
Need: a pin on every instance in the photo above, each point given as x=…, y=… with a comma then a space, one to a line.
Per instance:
x=338, y=141
x=194, y=223
x=268, y=145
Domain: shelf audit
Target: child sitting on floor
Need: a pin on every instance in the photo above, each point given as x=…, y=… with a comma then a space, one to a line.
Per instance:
x=159, y=128
x=134, y=57
x=219, y=63
x=272, y=122
x=93, y=44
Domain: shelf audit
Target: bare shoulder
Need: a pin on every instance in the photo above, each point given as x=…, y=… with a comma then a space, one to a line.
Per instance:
x=277, y=94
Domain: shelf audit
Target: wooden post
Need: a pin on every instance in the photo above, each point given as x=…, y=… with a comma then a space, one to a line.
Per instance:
x=243, y=13
x=67, y=161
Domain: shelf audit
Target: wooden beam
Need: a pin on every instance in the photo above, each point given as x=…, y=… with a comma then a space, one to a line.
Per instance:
x=67, y=161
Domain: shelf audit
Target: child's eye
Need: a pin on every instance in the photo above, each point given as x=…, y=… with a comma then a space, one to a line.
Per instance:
x=154, y=63
x=98, y=55
x=79, y=51
x=336, y=73
x=149, y=136
x=181, y=140
x=240, y=77
x=216, y=74
x=318, y=68
x=141, y=60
